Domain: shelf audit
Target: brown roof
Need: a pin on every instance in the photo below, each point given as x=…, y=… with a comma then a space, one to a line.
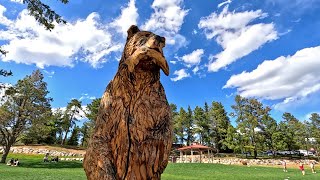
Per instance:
x=195, y=146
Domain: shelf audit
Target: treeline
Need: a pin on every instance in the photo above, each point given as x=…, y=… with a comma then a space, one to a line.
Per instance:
x=26, y=116
x=255, y=130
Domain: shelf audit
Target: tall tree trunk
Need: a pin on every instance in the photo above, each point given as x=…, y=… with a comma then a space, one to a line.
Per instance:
x=5, y=154
x=65, y=137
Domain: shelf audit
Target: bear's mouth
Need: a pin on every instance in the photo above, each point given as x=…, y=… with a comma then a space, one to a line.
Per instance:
x=154, y=54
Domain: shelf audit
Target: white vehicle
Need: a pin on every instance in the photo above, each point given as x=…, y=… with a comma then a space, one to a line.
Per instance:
x=306, y=153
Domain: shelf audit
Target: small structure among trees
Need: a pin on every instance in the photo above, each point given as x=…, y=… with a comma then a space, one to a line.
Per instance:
x=195, y=147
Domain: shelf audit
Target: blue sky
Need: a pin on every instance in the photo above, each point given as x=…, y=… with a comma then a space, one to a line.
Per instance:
x=266, y=49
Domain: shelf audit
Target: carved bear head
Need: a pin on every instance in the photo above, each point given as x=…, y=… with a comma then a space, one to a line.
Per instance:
x=143, y=50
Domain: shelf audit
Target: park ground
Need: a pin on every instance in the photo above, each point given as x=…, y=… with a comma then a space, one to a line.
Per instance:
x=32, y=168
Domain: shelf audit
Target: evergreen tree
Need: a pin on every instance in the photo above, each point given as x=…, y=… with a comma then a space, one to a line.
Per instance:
x=180, y=125
x=70, y=117
x=219, y=126
x=175, y=122
x=201, y=125
x=315, y=130
x=268, y=129
x=91, y=112
x=74, y=138
x=189, y=127
x=27, y=102
x=291, y=131
x=249, y=114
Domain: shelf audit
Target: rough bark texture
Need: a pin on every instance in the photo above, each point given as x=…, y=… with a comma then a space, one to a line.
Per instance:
x=133, y=133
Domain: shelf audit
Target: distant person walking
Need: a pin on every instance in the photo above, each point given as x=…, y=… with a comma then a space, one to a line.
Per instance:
x=301, y=167
x=284, y=165
x=312, y=167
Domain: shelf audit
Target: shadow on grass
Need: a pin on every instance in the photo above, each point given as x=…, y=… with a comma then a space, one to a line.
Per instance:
x=51, y=165
x=36, y=161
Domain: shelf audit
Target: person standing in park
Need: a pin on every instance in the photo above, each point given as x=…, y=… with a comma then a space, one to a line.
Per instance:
x=284, y=164
x=312, y=167
x=301, y=167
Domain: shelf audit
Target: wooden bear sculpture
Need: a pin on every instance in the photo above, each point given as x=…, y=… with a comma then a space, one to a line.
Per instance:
x=133, y=134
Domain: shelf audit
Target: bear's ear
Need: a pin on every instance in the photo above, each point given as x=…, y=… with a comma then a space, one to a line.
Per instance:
x=133, y=29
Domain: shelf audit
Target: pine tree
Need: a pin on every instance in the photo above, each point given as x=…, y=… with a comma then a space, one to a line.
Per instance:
x=27, y=102
x=74, y=138
x=220, y=124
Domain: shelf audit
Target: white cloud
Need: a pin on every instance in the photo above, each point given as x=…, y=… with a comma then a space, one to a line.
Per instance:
x=3, y=88
x=193, y=58
x=128, y=17
x=17, y=1
x=291, y=79
x=224, y=3
x=180, y=74
x=86, y=96
x=173, y=62
x=79, y=116
x=308, y=116
x=29, y=43
x=49, y=73
x=195, y=70
x=3, y=20
x=167, y=20
x=236, y=36
x=194, y=32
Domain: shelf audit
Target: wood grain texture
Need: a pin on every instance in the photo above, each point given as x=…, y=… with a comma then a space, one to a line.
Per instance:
x=133, y=133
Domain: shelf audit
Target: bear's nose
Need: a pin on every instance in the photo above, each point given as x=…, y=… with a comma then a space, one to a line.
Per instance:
x=159, y=38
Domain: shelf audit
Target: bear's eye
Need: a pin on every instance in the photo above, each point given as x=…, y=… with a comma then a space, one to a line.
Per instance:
x=142, y=41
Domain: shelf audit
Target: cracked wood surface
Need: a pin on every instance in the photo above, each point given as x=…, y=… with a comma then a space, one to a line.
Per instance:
x=133, y=133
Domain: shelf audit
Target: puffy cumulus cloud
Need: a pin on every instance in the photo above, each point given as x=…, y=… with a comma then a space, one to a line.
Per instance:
x=193, y=58
x=29, y=43
x=291, y=79
x=3, y=20
x=128, y=17
x=167, y=20
x=236, y=34
x=180, y=74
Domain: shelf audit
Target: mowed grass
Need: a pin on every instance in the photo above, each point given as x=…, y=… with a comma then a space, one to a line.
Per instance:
x=32, y=168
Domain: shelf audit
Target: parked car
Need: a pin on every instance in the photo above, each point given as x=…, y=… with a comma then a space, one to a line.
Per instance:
x=306, y=153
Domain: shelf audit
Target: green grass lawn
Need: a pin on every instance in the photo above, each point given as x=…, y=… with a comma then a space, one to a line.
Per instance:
x=32, y=168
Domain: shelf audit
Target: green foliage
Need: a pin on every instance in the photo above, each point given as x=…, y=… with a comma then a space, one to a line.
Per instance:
x=88, y=127
x=291, y=131
x=42, y=131
x=188, y=125
x=202, y=126
x=70, y=117
x=175, y=119
x=250, y=114
x=43, y=13
x=74, y=138
x=219, y=125
x=5, y=73
x=233, y=139
x=180, y=125
x=26, y=104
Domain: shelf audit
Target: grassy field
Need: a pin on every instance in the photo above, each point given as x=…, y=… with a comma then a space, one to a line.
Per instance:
x=32, y=168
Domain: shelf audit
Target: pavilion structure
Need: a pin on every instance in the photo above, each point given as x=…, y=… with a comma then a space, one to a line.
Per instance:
x=194, y=147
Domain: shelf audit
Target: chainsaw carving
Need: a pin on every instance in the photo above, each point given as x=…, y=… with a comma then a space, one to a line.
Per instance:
x=133, y=133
